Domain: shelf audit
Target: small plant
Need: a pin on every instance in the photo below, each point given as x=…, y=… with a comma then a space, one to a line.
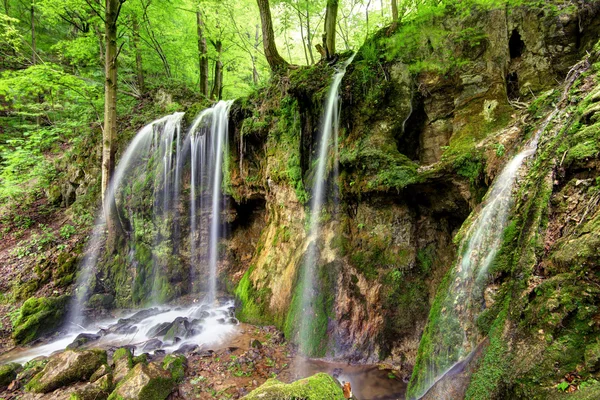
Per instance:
x=67, y=231
x=563, y=386
x=500, y=149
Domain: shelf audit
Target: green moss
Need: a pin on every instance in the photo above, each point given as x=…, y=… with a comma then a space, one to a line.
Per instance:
x=314, y=338
x=253, y=303
x=8, y=373
x=38, y=316
x=176, y=365
x=145, y=382
x=121, y=354
x=317, y=387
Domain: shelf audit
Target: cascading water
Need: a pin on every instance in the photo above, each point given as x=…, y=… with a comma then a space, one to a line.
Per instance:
x=456, y=335
x=208, y=142
x=150, y=176
x=329, y=133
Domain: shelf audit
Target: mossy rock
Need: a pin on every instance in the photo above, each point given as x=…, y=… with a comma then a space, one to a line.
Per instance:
x=123, y=362
x=317, y=387
x=66, y=368
x=144, y=382
x=8, y=373
x=38, y=316
x=99, y=300
x=176, y=365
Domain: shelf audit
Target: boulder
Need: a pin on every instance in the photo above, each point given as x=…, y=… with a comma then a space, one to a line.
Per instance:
x=82, y=339
x=317, y=387
x=152, y=344
x=123, y=362
x=38, y=316
x=8, y=373
x=160, y=329
x=186, y=348
x=100, y=372
x=66, y=368
x=144, y=382
x=100, y=390
x=179, y=329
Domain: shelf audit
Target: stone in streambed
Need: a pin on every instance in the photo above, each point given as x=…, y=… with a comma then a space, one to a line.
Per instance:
x=152, y=344
x=144, y=382
x=99, y=390
x=160, y=329
x=179, y=329
x=317, y=387
x=82, y=339
x=8, y=373
x=100, y=372
x=66, y=368
x=186, y=348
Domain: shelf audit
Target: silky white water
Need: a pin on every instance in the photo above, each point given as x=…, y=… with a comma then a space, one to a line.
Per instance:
x=328, y=136
x=480, y=244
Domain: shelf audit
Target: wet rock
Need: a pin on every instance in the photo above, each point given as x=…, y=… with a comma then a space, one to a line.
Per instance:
x=186, y=348
x=100, y=390
x=123, y=327
x=8, y=373
x=142, y=358
x=205, y=353
x=232, y=321
x=160, y=352
x=176, y=364
x=143, y=314
x=14, y=386
x=123, y=362
x=152, y=344
x=144, y=382
x=100, y=300
x=82, y=339
x=66, y=368
x=32, y=368
x=160, y=329
x=179, y=329
x=317, y=387
x=203, y=314
x=336, y=372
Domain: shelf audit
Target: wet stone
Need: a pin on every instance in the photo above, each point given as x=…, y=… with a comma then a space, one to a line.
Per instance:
x=160, y=329
x=143, y=314
x=152, y=344
x=186, y=348
x=82, y=339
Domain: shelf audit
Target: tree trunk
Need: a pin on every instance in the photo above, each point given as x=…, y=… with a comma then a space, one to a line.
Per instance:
x=33, y=42
x=330, y=24
x=138, y=55
x=110, y=119
x=308, y=35
x=276, y=62
x=217, y=88
x=255, y=76
x=395, y=10
x=202, y=55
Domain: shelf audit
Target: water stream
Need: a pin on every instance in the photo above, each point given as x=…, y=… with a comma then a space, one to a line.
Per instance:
x=457, y=335
x=328, y=136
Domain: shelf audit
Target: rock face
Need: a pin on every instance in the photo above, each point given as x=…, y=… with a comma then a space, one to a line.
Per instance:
x=317, y=387
x=144, y=382
x=66, y=368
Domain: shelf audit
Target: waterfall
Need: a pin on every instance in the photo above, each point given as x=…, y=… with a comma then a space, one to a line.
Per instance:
x=456, y=331
x=328, y=133
x=150, y=175
x=208, y=140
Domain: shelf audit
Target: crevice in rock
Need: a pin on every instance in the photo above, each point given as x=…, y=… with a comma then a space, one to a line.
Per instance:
x=512, y=85
x=516, y=45
x=408, y=141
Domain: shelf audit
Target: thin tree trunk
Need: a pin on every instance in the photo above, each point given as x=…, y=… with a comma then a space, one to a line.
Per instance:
x=255, y=76
x=330, y=23
x=308, y=35
x=302, y=37
x=394, y=10
x=367, y=16
x=33, y=42
x=202, y=55
x=6, y=7
x=217, y=88
x=110, y=119
x=138, y=55
x=276, y=62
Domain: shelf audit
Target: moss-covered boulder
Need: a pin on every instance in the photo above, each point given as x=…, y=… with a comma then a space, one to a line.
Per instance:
x=123, y=362
x=317, y=387
x=176, y=365
x=144, y=382
x=99, y=390
x=37, y=316
x=66, y=368
x=8, y=373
